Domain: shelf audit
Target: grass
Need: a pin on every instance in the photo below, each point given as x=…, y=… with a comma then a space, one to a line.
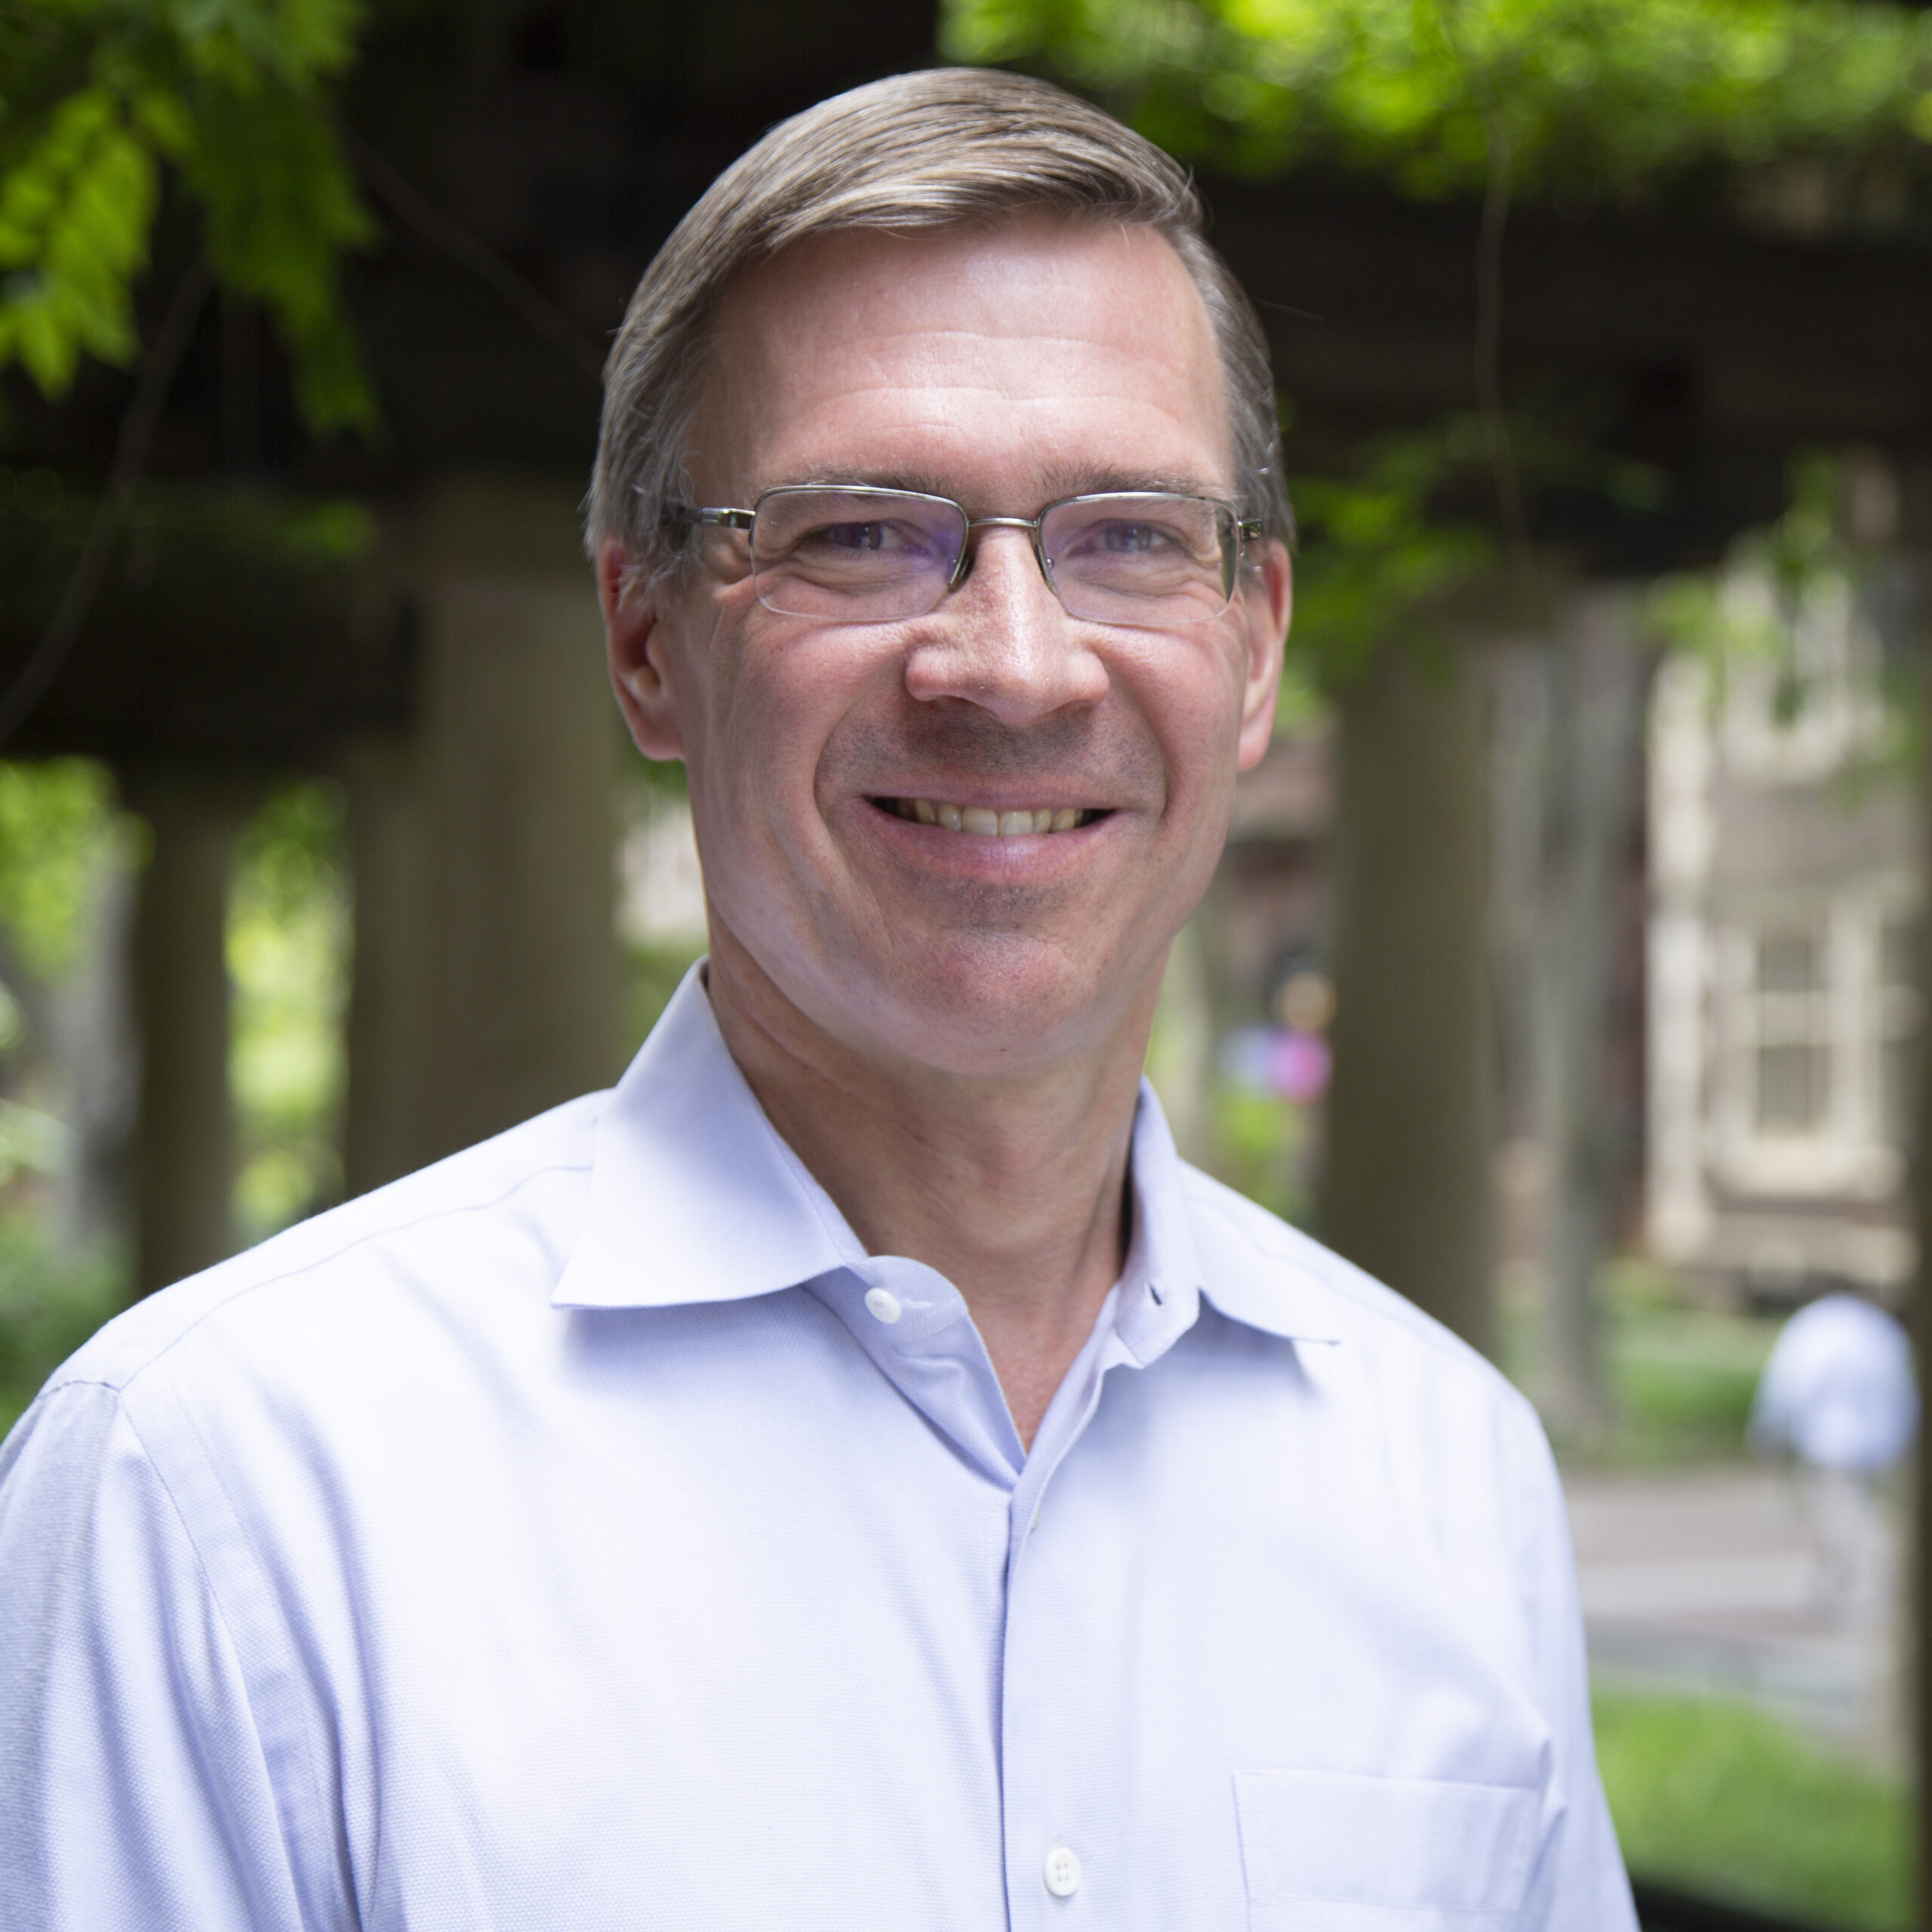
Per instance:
x=1682, y=1379
x=1718, y=1798
x=1681, y=1375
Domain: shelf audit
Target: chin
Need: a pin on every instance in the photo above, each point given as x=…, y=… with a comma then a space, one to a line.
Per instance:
x=981, y=1009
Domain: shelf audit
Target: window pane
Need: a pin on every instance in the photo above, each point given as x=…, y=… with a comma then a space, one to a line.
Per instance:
x=1899, y=964
x=1898, y=1074
x=1791, y=1088
x=1788, y=962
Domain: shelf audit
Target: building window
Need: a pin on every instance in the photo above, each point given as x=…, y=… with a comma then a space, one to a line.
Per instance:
x=1793, y=1043
x=1900, y=1005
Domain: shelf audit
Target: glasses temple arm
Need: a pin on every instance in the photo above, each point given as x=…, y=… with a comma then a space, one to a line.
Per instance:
x=721, y=519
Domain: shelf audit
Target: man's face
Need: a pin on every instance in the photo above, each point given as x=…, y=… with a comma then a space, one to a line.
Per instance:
x=1004, y=369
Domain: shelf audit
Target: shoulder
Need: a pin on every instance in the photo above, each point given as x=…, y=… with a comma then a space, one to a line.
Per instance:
x=1461, y=1445
x=508, y=1205
x=286, y=1397
x=1256, y=1268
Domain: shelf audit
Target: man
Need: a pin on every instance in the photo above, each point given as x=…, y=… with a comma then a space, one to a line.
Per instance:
x=853, y=1475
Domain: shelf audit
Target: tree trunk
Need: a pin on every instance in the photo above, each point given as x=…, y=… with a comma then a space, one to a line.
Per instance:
x=1918, y=1622
x=1592, y=772
x=1406, y=1190
x=1907, y=629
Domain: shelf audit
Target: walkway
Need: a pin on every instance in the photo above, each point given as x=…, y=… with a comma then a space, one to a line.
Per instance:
x=1722, y=1579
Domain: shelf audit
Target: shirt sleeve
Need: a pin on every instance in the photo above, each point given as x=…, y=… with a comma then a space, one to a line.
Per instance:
x=1579, y=1883
x=134, y=1789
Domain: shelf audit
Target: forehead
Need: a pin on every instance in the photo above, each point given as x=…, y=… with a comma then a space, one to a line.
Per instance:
x=1039, y=357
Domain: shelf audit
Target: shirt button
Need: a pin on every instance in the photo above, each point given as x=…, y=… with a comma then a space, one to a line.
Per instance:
x=883, y=1306
x=1062, y=1872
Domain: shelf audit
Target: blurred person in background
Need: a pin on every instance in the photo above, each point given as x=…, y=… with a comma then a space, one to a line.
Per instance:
x=853, y=1474
x=1837, y=1396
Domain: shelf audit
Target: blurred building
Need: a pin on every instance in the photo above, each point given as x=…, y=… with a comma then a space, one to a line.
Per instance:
x=1784, y=992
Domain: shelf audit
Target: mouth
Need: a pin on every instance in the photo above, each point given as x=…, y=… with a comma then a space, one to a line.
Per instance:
x=983, y=822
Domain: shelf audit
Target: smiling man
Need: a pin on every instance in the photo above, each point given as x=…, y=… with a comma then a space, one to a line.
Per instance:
x=853, y=1474
x=962, y=726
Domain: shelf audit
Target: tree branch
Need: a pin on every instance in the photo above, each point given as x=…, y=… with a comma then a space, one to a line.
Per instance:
x=455, y=241
x=131, y=451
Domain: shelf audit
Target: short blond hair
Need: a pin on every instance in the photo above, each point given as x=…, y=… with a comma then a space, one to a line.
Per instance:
x=937, y=149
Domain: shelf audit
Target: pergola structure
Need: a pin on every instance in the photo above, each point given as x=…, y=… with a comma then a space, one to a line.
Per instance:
x=525, y=161
x=525, y=168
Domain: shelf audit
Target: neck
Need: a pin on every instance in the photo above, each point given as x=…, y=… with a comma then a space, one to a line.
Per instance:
x=1013, y=1186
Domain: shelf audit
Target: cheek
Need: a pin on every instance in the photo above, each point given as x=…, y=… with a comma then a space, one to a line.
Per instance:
x=777, y=705
x=1195, y=706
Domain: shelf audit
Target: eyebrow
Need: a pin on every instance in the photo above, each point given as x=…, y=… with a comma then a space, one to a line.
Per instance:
x=1056, y=483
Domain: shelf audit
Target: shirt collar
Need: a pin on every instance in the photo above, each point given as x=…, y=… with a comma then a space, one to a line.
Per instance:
x=1180, y=1254
x=694, y=1197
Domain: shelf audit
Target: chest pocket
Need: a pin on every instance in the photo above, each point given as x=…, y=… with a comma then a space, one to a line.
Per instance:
x=1326, y=1852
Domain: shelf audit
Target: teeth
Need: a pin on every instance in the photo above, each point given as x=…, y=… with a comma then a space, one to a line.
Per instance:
x=983, y=823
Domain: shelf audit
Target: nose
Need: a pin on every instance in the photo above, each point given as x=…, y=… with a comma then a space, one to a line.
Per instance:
x=1002, y=641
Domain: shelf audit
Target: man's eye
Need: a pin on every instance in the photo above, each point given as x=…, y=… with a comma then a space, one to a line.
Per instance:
x=1130, y=540
x=875, y=537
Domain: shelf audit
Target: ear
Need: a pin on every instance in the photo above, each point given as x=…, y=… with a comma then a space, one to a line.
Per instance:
x=1268, y=600
x=636, y=642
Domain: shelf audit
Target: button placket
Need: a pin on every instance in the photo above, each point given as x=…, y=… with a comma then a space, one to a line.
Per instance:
x=1036, y=1791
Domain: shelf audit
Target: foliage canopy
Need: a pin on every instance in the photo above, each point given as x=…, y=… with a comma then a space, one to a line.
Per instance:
x=1594, y=98
x=98, y=97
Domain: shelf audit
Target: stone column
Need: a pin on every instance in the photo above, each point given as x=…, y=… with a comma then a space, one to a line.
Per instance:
x=487, y=985
x=91, y=1024
x=1406, y=1190
x=382, y=1106
x=185, y=1157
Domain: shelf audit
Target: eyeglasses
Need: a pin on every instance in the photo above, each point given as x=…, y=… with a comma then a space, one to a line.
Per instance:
x=1150, y=559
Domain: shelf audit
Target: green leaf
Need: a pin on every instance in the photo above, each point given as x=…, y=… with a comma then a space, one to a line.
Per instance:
x=1598, y=97
x=74, y=215
x=97, y=96
x=282, y=207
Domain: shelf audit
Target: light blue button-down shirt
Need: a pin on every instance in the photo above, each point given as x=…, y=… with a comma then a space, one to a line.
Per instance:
x=588, y=1534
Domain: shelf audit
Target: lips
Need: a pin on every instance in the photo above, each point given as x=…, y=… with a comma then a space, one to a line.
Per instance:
x=983, y=822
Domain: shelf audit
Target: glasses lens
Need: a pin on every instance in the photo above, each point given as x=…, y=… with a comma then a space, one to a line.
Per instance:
x=1143, y=558
x=855, y=556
